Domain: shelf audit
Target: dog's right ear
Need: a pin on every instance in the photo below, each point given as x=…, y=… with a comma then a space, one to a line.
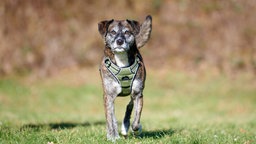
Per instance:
x=103, y=27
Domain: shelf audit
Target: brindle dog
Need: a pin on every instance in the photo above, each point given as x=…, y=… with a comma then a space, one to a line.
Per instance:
x=122, y=70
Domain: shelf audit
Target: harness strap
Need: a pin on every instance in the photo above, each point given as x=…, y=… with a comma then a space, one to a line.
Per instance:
x=125, y=75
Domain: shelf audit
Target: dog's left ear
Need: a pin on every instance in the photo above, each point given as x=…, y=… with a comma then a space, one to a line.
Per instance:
x=135, y=25
x=144, y=32
x=103, y=27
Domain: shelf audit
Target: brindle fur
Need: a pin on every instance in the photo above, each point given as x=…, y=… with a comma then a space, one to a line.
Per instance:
x=111, y=88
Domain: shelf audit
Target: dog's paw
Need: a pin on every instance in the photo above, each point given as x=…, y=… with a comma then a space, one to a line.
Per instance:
x=125, y=129
x=113, y=138
x=138, y=131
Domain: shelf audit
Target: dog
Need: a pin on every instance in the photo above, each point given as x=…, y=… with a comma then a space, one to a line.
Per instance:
x=122, y=70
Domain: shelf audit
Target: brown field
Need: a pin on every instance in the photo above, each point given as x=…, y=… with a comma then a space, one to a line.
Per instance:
x=43, y=37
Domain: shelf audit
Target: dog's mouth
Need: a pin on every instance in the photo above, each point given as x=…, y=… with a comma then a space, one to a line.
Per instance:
x=119, y=49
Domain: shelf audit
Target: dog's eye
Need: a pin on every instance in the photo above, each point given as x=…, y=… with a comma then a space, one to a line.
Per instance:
x=113, y=32
x=127, y=33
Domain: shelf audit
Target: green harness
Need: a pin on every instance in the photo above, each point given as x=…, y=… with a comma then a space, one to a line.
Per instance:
x=125, y=75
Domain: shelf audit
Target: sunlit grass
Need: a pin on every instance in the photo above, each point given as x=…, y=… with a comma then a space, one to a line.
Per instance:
x=178, y=108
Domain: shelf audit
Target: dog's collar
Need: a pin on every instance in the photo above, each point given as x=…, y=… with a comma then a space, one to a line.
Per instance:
x=124, y=75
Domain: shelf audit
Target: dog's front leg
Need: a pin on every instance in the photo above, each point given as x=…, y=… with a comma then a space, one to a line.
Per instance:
x=138, y=104
x=112, y=130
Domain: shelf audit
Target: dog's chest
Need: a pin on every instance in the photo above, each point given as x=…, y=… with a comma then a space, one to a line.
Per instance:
x=122, y=59
x=112, y=87
x=123, y=77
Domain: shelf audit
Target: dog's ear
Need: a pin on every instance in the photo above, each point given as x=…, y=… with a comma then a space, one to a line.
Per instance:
x=103, y=27
x=144, y=32
x=135, y=25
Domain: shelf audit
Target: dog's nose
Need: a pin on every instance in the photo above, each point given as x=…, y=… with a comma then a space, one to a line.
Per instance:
x=119, y=41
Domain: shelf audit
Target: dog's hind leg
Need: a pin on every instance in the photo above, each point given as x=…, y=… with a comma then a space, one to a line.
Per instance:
x=127, y=117
x=138, y=104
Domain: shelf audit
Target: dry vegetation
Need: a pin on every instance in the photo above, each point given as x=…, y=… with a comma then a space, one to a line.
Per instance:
x=43, y=36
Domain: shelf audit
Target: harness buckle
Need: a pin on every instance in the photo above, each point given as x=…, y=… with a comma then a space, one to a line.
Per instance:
x=108, y=63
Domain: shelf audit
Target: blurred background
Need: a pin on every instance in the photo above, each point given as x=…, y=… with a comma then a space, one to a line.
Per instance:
x=200, y=60
x=43, y=37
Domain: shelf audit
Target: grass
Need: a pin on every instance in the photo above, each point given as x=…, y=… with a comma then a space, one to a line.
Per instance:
x=178, y=108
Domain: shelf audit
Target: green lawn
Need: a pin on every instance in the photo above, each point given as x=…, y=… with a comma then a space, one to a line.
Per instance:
x=178, y=108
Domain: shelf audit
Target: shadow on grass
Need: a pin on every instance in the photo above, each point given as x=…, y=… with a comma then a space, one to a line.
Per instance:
x=156, y=134
x=63, y=125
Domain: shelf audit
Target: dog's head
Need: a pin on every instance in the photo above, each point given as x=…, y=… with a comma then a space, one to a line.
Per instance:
x=120, y=36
